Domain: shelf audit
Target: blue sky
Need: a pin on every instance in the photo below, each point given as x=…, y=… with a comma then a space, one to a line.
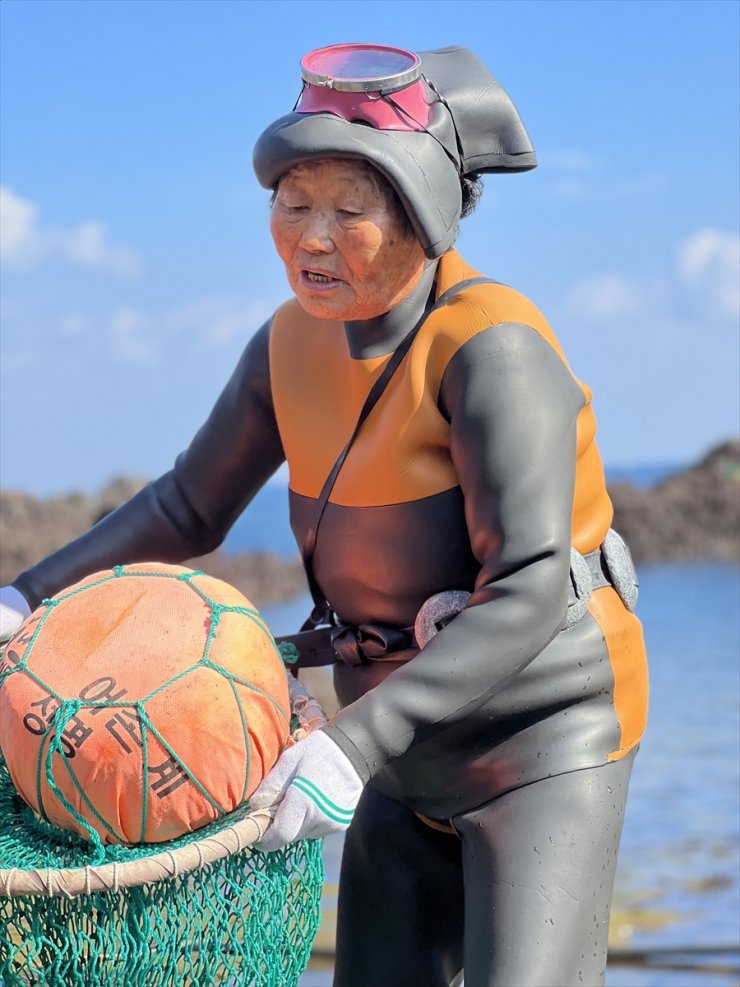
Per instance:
x=137, y=259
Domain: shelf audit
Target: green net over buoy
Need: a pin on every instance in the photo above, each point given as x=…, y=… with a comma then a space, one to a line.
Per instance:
x=206, y=909
x=202, y=910
x=142, y=703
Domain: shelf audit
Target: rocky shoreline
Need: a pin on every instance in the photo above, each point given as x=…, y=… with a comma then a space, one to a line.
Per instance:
x=32, y=527
x=690, y=516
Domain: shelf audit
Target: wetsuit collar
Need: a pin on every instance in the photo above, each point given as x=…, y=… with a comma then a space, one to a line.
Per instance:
x=376, y=337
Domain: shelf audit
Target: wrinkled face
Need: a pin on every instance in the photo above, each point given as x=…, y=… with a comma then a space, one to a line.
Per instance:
x=344, y=240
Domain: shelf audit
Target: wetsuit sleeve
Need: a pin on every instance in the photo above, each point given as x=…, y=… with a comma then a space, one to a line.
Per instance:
x=512, y=405
x=189, y=510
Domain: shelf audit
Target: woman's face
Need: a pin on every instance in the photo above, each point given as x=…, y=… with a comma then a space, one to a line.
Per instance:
x=344, y=241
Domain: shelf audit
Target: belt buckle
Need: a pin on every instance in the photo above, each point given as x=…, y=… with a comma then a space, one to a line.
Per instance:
x=621, y=568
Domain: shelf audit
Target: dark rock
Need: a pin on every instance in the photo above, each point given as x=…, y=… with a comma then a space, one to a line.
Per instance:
x=691, y=515
x=31, y=528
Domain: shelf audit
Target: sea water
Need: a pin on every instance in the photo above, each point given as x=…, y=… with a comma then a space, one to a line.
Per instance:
x=676, y=913
x=677, y=899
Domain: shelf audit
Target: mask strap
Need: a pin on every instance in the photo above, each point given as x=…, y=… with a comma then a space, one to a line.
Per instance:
x=444, y=102
x=298, y=98
x=420, y=126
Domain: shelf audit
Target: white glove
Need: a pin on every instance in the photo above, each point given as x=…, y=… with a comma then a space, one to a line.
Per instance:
x=14, y=609
x=317, y=788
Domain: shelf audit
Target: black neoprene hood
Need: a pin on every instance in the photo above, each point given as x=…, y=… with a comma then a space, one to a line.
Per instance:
x=473, y=128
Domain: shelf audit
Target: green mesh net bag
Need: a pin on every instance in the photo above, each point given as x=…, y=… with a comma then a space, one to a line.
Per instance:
x=204, y=909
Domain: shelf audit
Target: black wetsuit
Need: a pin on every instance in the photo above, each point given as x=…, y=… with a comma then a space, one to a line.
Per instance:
x=477, y=470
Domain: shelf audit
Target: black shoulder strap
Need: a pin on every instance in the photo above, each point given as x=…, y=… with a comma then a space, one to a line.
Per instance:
x=322, y=610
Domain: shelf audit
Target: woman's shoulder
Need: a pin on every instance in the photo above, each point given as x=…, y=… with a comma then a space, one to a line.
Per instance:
x=480, y=307
x=495, y=301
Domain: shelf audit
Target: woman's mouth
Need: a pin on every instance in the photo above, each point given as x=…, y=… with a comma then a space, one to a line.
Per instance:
x=318, y=280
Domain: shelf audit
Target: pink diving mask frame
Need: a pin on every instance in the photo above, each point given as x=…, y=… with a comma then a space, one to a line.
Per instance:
x=374, y=84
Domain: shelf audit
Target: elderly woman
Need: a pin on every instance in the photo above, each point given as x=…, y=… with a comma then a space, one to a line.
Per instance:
x=438, y=443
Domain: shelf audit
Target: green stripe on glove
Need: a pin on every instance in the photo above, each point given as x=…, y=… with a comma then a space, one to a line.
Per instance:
x=335, y=812
x=316, y=789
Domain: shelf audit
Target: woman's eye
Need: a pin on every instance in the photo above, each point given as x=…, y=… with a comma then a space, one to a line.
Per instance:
x=350, y=212
x=291, y=205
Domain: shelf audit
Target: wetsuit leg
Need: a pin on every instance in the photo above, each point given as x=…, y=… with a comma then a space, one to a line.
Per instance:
x=400, y=913
x=539, y=866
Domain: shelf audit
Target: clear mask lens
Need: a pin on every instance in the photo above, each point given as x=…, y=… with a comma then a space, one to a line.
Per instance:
x=361, y=68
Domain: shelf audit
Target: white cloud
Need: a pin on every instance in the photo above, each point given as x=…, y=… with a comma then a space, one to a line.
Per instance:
x=139, y=337
x=605, y=296
x=581, y=177
x=710, y=260
x=25, y=242
x=74, y=325
x=86, y=245
x=706, y=274
x=17, y=223
x=221, y=319
x=130, y=334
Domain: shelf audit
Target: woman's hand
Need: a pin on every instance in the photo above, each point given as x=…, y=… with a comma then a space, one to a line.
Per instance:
x=13, y=611
x=317, y=789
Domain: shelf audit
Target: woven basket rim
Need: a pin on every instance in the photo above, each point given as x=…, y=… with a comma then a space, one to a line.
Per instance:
x=167, y=864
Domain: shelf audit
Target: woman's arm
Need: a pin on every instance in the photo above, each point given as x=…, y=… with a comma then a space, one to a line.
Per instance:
x=188, y=511
x=512, y=406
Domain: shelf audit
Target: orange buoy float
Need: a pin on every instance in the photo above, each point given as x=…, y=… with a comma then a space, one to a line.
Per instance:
x=141, y=703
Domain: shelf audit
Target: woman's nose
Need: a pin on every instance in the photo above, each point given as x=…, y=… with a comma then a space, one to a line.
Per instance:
x=316, y=235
